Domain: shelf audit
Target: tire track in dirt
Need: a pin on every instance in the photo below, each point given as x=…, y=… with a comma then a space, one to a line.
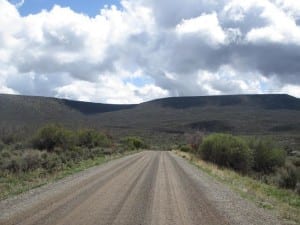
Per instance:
x=63, y=202
x=149, y=188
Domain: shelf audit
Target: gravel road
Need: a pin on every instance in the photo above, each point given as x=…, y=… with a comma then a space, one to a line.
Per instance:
x=151, y=187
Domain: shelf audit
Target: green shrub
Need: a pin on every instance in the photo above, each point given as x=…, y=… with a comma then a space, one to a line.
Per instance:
x=297, y=188
x=133, y=143
x=55, y=147
x=92, y=139
x=9, y=138
x=51, y=162
x=52, y=136
x=194, y=140
x=6, y=154
x=2, y=145
x=267, y=156
x=96, y=152
x=185, y=148
x=23, y=162
x=13, y=164
x=295, y=161
x=288, y=176
x=31, y=160
x=227, y=150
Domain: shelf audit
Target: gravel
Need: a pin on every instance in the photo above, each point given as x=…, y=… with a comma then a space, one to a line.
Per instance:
x=150, y=187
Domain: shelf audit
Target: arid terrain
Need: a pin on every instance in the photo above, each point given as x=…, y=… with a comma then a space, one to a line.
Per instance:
x=149, y=187
x=149, y=112
x=161, y=121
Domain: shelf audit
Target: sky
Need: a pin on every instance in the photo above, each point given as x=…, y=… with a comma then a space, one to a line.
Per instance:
x=89, y=7
x=132, y=51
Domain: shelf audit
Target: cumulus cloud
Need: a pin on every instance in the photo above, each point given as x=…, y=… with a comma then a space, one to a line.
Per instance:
x=175, y=48
x=206, y=27
x=110, y=90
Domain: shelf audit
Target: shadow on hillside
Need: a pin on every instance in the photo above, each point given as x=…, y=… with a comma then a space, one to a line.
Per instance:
x=94, y=108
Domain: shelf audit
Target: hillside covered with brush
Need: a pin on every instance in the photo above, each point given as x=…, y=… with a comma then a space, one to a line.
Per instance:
x=162, y=118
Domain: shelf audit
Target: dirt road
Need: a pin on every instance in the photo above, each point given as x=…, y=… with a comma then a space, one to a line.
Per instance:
x=156, y=188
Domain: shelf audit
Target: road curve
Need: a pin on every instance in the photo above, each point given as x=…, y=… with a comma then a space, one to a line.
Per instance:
x=151, y=188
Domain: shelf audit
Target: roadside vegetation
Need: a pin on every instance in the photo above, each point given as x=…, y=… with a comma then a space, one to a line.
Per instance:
x=133, y=143
x=53, y=152
x=259, y=158
x=283, y=202
x=255, y=167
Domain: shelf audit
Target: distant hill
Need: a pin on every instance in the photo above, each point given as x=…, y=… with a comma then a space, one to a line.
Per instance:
x=28, y=113
x=279, y=101
x=162, y=118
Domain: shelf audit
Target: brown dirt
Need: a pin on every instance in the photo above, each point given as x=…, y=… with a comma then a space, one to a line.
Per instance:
x=147, y=188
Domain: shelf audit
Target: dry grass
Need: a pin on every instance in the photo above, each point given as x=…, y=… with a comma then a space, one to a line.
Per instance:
x=14, y=184
x=285, y=203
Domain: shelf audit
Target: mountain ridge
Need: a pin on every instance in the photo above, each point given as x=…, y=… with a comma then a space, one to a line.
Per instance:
x=163, y=118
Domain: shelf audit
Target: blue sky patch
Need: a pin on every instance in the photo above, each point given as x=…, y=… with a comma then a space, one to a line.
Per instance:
x=140, y=81
x=88, y=7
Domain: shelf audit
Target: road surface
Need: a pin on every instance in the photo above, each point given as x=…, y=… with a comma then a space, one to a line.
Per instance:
x=155, y=188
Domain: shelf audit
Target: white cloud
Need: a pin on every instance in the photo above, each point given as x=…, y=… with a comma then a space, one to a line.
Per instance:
x=291, y=7
x=281, y=28
x=205, y=26
x=3, y=86
x=110, y=90
x=175, y=47
x=6, y=90
x=228, y=81
x=291, y=90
